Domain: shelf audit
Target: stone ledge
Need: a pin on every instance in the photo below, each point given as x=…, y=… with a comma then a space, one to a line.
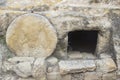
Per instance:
x=74, y=66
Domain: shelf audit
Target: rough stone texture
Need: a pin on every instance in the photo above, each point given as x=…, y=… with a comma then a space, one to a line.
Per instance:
x=78, y=76
x=106, y=65
x=109, y=76
x=74, y=66
x=21, y=66
x=53, y=76
x=9, y=77
x=67, y=77
x=7, y=66
x=41, y=43
x=28, y=4
x=52, y=60
x=26, y=79
x=65, y=16
x=93, y=76
x=23, y=69
x=4, y=51
x=39, y=69
x=78, y=55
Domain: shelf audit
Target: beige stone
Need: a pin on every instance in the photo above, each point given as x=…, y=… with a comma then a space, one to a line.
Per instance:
x=106, y=65
x=26, y=79
x=93, y=76
x=109, y=76
x=16, y=60
x=66, y=77
x=31, y=35
x=39, y=69
x=52, y=60
x=3, y=23
x=53, y=76
x=75, y=66
x=23, y=69
x=29, y=4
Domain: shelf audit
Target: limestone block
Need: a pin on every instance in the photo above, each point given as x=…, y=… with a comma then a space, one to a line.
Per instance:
x=29, y=4
x=39, y=69
x=78, y=76
x=93, y=76
x=53, y=76
x=106, y=65
x=109, y=76
x=22, y=66
x=52, y=60
x=31, y=35
x=23, y=69
x=66, y=77
x=74, y=66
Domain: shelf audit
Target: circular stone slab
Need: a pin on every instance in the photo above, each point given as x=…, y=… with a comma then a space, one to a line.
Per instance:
x=31, y=35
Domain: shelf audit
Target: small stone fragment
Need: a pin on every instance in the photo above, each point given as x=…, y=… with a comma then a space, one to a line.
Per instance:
x=52, y=60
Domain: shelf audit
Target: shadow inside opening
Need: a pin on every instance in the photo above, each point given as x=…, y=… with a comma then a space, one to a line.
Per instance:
x=82, y=41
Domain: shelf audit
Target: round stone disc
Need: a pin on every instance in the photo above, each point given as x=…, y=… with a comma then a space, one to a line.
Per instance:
x=31, y=35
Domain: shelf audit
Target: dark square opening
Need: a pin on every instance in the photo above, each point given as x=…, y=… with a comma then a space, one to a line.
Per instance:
x=82, y=41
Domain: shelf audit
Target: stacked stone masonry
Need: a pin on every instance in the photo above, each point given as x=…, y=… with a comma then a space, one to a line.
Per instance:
x=60, y=40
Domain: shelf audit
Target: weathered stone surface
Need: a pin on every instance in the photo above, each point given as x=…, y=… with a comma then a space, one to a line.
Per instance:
x=37, y=38
x=23, y=69
x=67, y=77
x=76, y=4
x=52, y=60
x=39, y=69
x=3, y=23
x=4, y=51
x=53, y=76
x=118, y=74
x=26, y=79
x=104, y=55
x=22, y=66
x=78, y=55
x=74, y=66
x=106, y=65
x=16, y=60
x=93, y=76
x=78, y=76
x=28, y=4
x=109, y=76
x=9, y=77
x=7, y=66
x=52, y=68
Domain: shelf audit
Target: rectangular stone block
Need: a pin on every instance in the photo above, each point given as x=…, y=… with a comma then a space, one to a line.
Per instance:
x=73, y=66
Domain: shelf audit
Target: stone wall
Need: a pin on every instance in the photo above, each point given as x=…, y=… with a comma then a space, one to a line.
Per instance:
x=34, y=39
